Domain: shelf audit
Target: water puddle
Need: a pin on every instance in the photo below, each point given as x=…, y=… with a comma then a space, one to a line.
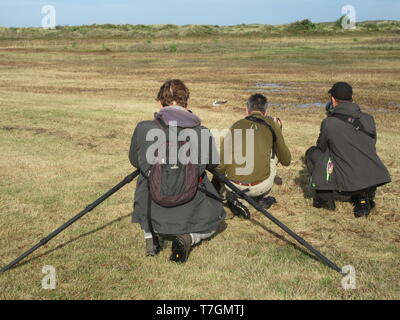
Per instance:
x=394, y=104
x=268, y=87
x=310, y=105
x=378, y=110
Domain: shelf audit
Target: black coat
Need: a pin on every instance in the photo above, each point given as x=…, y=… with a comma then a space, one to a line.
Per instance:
x=356, y=165
x=202, y=213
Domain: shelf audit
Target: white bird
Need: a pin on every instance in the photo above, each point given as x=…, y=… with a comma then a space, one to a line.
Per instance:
x=218, y=103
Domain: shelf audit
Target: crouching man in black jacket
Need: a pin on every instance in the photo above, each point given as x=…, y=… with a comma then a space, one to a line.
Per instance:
x=345, y=161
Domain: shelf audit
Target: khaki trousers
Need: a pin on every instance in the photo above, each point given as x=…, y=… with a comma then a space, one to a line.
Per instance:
x=264, y=187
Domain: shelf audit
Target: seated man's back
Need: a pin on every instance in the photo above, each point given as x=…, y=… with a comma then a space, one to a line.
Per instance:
x=263, y=147
x=251, y=151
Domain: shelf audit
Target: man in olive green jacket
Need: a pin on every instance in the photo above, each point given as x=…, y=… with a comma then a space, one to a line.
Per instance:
x=259, y=141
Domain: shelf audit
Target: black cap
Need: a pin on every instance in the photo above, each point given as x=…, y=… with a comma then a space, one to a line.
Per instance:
x=341, y=91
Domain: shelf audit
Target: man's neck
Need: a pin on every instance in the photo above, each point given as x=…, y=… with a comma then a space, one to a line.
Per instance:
x=257, y=113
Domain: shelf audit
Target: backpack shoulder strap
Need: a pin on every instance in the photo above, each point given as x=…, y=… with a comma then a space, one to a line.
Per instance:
x=356, y=123
x=264, y=123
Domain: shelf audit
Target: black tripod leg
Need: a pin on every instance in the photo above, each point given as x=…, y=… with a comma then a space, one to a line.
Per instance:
x=299, y=239
x=89, y=208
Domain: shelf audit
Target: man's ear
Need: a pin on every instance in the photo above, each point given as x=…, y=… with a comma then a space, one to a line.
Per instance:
x=335, y=103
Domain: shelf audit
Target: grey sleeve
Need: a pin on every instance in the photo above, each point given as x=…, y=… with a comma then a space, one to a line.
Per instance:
x=374, y=131
x=134, y=149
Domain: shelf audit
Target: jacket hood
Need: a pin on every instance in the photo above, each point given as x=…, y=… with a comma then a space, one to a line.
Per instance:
x=183, y=117
x=348, y=108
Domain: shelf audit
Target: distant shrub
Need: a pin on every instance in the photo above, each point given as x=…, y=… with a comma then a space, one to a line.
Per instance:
x=197, y=30
x=125, y=27
x=109, y=26
x=173, y=48
x=303, y=25
x=200, y=30
x=267, y=28
x=371, y=26
x=74, y=28
x=339, y=22
x=388, y=25
x=142, y=27
x=169, y=27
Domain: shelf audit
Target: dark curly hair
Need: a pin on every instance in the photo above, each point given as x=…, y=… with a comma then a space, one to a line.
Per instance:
x=173, y=90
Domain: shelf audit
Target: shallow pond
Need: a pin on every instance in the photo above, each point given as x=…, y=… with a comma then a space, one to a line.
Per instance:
x=268, y=87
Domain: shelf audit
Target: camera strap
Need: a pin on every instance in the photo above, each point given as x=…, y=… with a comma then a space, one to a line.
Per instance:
x=356, y=123
x=264, y=123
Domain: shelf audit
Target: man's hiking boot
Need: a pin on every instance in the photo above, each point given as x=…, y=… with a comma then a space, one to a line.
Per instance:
x=278, y=181
x=324, y=204
x=362, y=207
x=152, y=249
x=237, y=208
x=181, y=247
x=266, y=202
x=372, y=204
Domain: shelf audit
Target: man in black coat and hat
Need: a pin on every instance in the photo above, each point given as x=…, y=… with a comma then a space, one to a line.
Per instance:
x=345, y=161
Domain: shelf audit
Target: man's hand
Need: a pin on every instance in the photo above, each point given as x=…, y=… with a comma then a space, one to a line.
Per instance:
x=277, y=121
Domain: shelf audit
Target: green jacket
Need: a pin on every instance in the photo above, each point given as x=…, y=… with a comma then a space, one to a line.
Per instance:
x=263, y=142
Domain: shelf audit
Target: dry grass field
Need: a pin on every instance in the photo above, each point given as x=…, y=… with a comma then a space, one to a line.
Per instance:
x=67, y=112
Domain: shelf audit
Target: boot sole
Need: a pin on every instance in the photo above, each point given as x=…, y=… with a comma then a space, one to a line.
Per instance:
x=179, y=251
x=364, y=212
x=245, y=214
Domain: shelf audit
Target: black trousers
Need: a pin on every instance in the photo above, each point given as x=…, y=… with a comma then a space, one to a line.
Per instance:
x=312, y=156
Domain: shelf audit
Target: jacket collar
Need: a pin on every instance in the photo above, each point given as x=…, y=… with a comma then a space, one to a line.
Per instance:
x=180, y=116
x=348, y=108
x=257, y=115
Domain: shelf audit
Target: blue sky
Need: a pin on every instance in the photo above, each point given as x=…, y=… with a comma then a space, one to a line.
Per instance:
x=24, y=13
